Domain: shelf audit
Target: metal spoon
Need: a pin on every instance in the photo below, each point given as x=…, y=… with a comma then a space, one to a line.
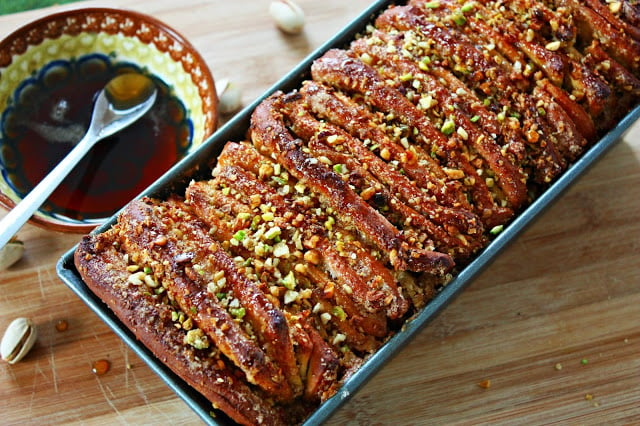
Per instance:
x=124, y=99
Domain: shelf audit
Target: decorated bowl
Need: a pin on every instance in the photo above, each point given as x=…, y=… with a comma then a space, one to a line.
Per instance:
x=51, y=71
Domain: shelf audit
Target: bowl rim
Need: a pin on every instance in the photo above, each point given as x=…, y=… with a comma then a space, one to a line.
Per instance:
x=211, y=113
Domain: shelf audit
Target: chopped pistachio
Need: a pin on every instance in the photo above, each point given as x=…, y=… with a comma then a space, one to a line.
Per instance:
x=448, y=127
x=366, y=58
x=279, y=180
x=290, y=296
x=339, y=168
x=406, y=77
x=238, y=313
x=289, y=281
x=426, y=102
x=459, y=19
x=268, y=216
x=339, y=313
x=197, y=339
x=339, y=338
x=496, y=229
x=187, y=324
x=467, y=7
x=553, y=46
x=462, y=133
x=273, y=233
x=615, y=6
x=325, y=317
x=136, y=278
x=281, y=249
x=329, y=223
x=255, y=222
x=150, y=281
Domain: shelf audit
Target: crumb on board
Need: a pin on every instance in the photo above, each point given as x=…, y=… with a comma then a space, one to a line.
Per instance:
x=558, y=366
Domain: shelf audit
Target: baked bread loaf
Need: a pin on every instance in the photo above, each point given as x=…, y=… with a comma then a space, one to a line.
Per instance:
x=361, y=193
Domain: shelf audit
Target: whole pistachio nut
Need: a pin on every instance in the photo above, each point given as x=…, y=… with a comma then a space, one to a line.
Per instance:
x=229, y=97
x=11, y=253
x=18, y=340
x=289, y=17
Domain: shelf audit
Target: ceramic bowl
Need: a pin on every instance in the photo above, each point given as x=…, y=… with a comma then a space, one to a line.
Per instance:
x=90, y=42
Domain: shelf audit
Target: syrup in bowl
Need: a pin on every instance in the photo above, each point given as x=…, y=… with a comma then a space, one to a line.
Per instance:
x=50, y=114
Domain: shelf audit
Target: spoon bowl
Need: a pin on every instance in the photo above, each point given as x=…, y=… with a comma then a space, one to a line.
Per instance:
x=124, y=100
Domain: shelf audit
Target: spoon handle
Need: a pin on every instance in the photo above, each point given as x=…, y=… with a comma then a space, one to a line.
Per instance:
x=14, y=220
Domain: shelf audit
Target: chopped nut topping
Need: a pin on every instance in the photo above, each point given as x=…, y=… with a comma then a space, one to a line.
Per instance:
x=553, y=46
x=197, y=339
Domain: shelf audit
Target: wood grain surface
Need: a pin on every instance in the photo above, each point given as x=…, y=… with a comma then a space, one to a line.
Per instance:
x=567, y=290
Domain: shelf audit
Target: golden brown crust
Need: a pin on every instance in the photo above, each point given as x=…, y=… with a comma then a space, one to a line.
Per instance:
x=187, y=247
x=270, y=135
x=478, y=140
x=104, y=270
x=360, y=122
x=359, y=195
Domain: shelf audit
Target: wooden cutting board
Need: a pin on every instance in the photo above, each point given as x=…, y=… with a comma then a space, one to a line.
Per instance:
x=553, y=325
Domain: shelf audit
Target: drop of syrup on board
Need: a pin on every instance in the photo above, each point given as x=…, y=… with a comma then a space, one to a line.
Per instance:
x=62, y=325
x=116, y=169
x=101, y=367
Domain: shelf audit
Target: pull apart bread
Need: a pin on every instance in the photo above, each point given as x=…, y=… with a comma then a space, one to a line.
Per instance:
x=361, y=193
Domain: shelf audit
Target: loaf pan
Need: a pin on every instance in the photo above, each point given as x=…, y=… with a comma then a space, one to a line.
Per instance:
x=198, y=165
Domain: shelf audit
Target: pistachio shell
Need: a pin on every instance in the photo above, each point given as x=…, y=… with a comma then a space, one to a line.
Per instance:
x=11, y=253
x=289, y=17
x=18, y=340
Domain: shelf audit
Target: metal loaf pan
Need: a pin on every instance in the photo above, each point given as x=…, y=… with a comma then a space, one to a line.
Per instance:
x=198, y=166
